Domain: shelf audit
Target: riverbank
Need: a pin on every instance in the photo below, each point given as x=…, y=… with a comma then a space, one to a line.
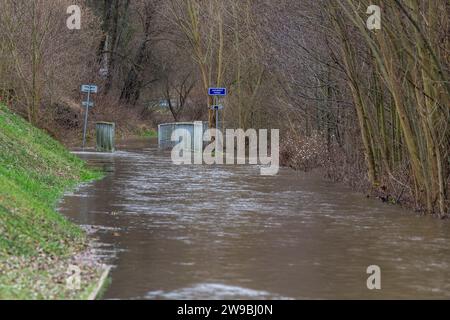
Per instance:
x=37, y=244
x=350, y=169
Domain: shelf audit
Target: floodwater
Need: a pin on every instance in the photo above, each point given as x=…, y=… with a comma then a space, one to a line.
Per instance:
x=225, y=232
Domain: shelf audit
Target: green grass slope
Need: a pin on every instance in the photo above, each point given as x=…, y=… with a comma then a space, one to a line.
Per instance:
x=35, y=170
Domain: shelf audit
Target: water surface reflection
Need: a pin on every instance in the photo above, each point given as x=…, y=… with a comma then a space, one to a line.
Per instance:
x=198, y=232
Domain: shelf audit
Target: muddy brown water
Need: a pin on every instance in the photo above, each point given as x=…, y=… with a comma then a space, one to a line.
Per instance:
x=225, y=232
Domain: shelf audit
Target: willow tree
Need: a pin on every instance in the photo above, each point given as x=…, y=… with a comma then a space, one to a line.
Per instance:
x=410, y=54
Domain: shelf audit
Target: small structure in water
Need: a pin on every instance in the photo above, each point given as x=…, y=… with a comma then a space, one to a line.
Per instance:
x=193, y=129
x=105, y=132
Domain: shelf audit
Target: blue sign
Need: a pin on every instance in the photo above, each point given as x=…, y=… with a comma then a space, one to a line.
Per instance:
x=217, y=91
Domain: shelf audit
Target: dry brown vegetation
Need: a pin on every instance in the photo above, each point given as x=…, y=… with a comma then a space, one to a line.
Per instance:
x=370, y=108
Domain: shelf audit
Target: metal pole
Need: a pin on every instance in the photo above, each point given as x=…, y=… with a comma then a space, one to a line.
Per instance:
x=217, y=129
x=86, y=118
x=214, y=104
x=217, y=118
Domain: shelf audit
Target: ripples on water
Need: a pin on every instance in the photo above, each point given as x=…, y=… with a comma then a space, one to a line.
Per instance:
x=219, y=232
x=205, y=291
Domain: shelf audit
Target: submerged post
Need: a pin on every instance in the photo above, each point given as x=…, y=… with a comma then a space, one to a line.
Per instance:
x=89, y=89
x=105, y=132
x=86, y=113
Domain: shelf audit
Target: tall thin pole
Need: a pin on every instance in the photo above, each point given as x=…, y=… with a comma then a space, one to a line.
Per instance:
x=86, y=118
x=215, y=104
x=217, y=117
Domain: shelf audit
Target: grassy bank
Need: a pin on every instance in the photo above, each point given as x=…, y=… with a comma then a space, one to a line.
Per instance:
x=36, y=243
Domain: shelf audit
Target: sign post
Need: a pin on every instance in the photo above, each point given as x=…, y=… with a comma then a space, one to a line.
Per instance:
x=217, y=92
x=217, y=108
x=87, y=104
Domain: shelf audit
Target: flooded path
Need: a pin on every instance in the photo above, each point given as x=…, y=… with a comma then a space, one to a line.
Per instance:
x=225, y=232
